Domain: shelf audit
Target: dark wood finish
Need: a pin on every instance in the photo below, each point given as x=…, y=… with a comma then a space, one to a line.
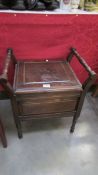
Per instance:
x=4, y=77
x=46, y=89
x=2, y=135
x=82, y=62
x=8, y=88
x=95, y=93
x=31, y=77
x=44, y=107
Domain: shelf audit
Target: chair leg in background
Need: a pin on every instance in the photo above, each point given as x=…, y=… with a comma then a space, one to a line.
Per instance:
x=2, y=135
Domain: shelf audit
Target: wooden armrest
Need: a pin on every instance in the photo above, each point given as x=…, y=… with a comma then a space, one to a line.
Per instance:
x=92, y=75
x=81, y=60
x=8, y=59
x=4, y=76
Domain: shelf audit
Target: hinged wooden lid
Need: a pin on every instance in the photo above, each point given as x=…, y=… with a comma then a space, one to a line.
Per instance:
x=45, y=76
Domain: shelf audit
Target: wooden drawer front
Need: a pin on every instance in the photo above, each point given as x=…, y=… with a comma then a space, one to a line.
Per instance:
x=49, y=95
x=50, y=106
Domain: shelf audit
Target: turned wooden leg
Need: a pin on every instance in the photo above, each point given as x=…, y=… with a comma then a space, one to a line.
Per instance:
x=77, y=113
x=18, y=125
x=2, y=135
x=16, y=117
x=19, y=129
x=75, y=118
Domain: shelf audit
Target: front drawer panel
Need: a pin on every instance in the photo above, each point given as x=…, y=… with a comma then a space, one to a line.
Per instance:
x=50, y=106
x=49, y=95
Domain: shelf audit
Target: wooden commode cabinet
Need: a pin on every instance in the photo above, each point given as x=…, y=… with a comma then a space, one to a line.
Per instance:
x=45, y=89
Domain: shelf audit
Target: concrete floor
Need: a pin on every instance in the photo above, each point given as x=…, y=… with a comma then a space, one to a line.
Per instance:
x=48, y=148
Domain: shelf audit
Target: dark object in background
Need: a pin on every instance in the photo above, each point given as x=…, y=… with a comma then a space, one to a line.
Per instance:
x=35, y=5
x=29, y=4
x=19, y=5
x=42, y=4
x=8, y=3
x=2, y=5
x=12, y=4
x=51, y=4
x=54, y=5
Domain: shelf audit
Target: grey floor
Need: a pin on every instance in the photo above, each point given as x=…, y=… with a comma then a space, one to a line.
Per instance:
x=48, y=148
